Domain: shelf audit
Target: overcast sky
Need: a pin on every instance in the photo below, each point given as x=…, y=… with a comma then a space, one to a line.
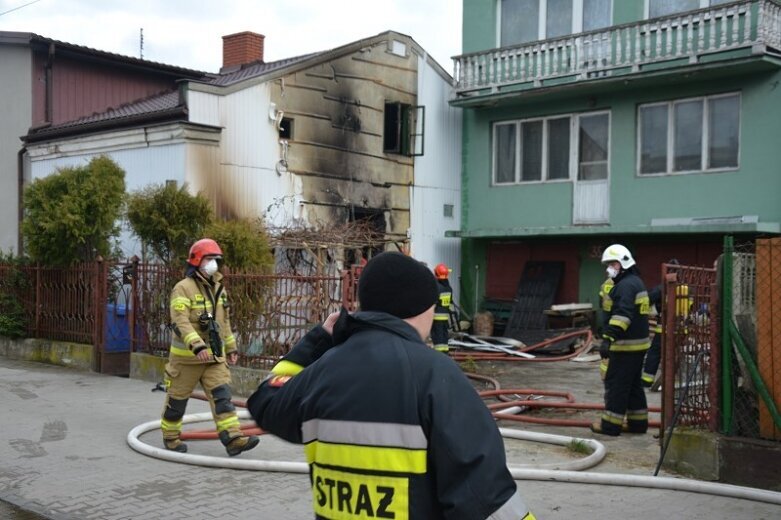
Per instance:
x=188, y=33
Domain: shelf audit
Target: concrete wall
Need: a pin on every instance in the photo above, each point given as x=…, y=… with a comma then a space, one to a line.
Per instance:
x=72, y=355
x=16, y=110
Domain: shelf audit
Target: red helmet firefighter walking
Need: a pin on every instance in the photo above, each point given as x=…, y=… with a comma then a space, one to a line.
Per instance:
x=202, y=346
x=439, y=330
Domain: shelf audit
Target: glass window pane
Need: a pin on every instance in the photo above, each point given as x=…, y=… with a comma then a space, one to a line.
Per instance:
x=558, y=148
x=596, y=14
x=724, y=132
x=687, y=128
x=531, y=151
x=717, y=2
x=664, y=7
x=593, y=147
x=520, y=21
x=558, y=21
x=653, y=139
x=504, y=148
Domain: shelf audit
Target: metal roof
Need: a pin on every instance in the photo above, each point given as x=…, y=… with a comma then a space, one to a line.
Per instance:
x=32, y=39
x=160, y=106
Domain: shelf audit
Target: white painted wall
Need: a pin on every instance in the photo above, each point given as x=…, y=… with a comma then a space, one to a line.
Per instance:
x=247, y=177
x=437, y=177
x=16, y=109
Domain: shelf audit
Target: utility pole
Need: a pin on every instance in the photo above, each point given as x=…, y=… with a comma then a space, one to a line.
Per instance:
x=141, y=44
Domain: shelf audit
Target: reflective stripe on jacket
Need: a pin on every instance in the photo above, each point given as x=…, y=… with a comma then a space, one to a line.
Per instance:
x=392, y=428
x=188, y=301
x=627, y=323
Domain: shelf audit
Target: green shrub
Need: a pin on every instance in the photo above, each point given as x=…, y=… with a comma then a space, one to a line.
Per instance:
x=168, y=220
x=72, y=215
x=244, y=244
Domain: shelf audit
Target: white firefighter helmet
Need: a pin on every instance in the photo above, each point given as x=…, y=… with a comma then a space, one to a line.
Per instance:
x=618, y=253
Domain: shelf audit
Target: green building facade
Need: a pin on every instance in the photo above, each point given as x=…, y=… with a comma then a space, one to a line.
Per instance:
x=651, y=123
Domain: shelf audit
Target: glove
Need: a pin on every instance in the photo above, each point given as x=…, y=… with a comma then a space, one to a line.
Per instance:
x=604, y=348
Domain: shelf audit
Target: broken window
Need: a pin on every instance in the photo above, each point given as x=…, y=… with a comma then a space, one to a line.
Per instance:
x=286, y=128
x=403, y=130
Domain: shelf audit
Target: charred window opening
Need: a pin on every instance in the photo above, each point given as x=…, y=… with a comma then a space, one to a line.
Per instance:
x=373, y=220
x=286, y=128
x=403, y=129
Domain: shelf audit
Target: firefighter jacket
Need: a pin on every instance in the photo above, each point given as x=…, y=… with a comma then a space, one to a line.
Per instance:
x=192, y=300
x=442, y=310
x=391, y=428
x=655, y=299
x=627, y=326
x=605, y=302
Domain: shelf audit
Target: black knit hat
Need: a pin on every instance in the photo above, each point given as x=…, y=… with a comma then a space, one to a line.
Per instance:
x=397, y=284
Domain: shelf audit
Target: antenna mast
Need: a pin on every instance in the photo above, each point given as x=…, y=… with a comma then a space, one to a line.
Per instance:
x=141, y=43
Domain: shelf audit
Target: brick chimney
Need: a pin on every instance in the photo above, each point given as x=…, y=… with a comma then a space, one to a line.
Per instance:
x=241, y=48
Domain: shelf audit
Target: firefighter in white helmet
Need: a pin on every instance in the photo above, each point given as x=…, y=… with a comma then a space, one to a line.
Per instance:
x=624, y=341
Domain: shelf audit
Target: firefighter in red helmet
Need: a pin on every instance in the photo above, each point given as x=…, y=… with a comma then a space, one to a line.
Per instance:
x=202, y=346
x=439, y=331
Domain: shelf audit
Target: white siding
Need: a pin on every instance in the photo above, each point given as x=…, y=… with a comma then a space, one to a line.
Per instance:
x=16, y=109
x=250, y=182
x=203, y=108
x=437, y=177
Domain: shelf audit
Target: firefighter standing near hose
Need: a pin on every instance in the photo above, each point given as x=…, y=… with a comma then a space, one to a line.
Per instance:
x=202, y=346
x=391, y=428
x=439, y=330
x=625, y=341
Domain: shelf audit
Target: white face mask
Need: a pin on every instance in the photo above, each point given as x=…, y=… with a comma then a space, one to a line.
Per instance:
x=612, y=272
x=209, y=267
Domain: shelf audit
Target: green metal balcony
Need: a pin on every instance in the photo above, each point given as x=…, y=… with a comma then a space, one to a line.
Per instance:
x=744, y=29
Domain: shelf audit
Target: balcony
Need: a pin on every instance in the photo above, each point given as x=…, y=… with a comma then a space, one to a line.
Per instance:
x=739, y=29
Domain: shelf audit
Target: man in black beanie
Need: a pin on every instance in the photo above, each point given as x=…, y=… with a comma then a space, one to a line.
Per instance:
x=392, y=428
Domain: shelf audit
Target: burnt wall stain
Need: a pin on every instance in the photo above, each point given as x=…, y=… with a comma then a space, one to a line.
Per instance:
x=337, y=146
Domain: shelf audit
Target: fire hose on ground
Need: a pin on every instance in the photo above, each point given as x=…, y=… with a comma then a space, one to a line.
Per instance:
x=518, y=473
x=570, y=472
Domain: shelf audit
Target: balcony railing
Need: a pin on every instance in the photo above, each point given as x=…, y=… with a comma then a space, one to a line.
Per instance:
x=622, y=49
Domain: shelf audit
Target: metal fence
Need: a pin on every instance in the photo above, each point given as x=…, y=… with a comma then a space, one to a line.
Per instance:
x=125, y=306
x=752, y=388
x=690, y=346
x=62, y=304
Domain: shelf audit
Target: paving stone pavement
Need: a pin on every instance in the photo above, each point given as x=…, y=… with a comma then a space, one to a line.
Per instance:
x=63, y=455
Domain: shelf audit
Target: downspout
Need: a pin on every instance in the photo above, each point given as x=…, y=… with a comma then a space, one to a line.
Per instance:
x=48, y=79
x=20, y=200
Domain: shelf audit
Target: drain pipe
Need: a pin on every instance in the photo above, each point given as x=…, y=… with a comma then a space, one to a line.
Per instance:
x=547, y=475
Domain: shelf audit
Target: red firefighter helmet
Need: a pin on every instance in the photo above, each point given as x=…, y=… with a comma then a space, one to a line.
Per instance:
x=441, y=272
x=201, y=248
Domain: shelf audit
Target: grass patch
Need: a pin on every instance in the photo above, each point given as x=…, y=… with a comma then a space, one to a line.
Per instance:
x=578, y=446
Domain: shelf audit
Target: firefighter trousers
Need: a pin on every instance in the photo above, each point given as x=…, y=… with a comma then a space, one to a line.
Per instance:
x=180, y=381
x=624, y=394
x=652, y=359
x=439, y=334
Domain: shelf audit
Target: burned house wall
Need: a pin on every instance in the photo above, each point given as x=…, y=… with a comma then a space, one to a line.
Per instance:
x=337, y=110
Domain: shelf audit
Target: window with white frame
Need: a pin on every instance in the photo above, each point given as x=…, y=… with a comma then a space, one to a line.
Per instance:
x=654, y=8
x=522, y=21
x=555, y=148
x=689, y=135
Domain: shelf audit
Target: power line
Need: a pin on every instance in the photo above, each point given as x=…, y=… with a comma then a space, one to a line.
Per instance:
x=19, y=7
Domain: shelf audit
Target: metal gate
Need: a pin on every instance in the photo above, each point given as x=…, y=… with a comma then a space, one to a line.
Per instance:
x=690, y=345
